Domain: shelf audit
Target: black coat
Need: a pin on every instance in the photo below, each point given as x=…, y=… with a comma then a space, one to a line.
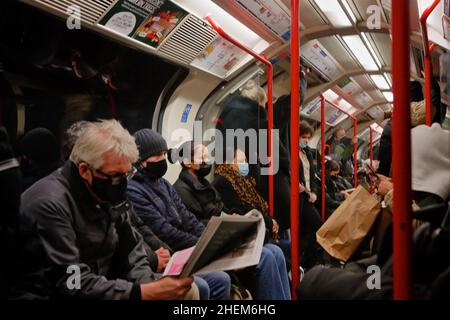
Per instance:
x=199, y=196
x=385, y=153
x=64, y=227
x=314, y=183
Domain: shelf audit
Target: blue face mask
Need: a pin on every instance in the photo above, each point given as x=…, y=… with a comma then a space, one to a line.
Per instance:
x=243, y=169
x=302, y=144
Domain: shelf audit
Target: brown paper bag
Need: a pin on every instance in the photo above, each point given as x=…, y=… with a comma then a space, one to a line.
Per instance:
x=344, y=231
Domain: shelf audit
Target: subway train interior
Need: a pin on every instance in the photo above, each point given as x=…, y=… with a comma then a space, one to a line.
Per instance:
x=225, y=149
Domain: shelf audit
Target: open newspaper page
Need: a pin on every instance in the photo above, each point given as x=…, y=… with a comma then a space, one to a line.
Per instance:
x=229, y=242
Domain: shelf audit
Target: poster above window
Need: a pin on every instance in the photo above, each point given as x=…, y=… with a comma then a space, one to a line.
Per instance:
x=148, y=21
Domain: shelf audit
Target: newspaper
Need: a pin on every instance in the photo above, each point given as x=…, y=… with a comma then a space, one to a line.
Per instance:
x=228, y=242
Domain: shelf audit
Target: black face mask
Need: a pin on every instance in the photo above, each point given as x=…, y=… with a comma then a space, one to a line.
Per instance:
x=113, y=194
x=204, y=170
x=155, y=170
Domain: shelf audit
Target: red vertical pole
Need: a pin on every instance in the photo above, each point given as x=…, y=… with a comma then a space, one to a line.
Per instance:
x=269, y=133
x=295, y=121
x=355, y=152
x=322, y=151
x=401, y=150
x=427, y=57
x=371, y=158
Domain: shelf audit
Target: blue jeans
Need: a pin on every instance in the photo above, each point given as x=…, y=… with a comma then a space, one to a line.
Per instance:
x=269, y=279
x=213, y=285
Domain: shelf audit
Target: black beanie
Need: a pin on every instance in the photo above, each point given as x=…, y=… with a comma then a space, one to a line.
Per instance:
x=40, y=145
x=149, y=143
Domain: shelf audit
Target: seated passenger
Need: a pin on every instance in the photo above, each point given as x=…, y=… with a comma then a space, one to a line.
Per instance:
x=335, y=187
x=157, y=251
x=238, y=191
x=160, y=207
x=77, y=220
x=40, y=155
x=192, y=186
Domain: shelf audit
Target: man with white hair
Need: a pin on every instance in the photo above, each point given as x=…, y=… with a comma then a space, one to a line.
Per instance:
x=77, y=220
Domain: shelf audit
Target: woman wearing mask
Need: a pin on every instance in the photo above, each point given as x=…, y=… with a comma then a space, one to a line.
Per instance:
x=238, y=191
x=195, y=191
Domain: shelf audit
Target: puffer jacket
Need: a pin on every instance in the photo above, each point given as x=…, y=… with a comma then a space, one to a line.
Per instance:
x=158, y=205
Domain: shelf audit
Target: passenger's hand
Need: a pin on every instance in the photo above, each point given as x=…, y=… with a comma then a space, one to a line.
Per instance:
x=354, y=140
x=346, y=194
x=167, y=288
x=301, y=188
x=163, y=258
x=384, y=187
x=275, y=227
x=312, y=198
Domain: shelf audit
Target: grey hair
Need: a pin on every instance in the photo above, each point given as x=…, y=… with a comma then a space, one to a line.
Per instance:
x=253, y=91
x=102, y=136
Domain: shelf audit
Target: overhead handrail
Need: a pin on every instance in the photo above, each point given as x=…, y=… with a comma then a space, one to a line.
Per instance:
x=295, y=121
x=427, y=47
x=401, y=150
x=266, y=61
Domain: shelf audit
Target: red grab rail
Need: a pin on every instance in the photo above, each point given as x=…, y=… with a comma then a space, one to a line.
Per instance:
x=401, y=150
x=371, y=156
x=427, y=47
x=266, y=61
x=295, y=120
x=322, y=153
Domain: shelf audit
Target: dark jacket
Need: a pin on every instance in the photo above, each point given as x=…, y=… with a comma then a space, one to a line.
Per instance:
x=314, y=184
x=232, y=201
x=385, y=153
x=333, y=197
x=151, y=241
x=199, y=196
x=159, y=206
x=66, y=228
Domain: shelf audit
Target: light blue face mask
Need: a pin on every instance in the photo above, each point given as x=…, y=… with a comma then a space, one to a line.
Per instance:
x=243, y=169
x=302, y=144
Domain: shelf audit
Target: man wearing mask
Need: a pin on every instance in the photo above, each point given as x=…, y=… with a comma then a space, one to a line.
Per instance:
x=158, y=205
x=81, y=241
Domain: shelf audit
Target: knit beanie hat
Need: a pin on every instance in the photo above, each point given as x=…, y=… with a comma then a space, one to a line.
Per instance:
x=40, y=145
x=431, y=160
x=149, y=143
